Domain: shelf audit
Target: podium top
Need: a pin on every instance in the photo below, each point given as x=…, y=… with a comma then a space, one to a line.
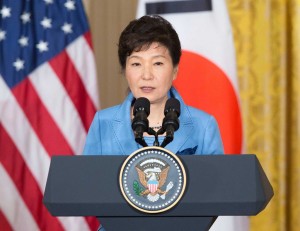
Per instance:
x=216, y=185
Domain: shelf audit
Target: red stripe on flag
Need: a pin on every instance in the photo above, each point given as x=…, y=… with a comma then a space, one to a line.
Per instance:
x=4, y=225
x=66, y=72
x=204, y=85
x=25, y=183
x=40, y=119
x=88, y=38
x=93, y=223
x=44, y=126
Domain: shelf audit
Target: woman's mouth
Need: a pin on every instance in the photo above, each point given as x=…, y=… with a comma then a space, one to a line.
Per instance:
x=147, y=89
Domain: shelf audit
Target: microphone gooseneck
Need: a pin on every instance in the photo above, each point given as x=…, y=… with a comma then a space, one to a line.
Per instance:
x=170, y=122
x=140, y=123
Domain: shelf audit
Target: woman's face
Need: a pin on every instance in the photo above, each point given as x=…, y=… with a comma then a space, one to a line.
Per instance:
x=150, y=73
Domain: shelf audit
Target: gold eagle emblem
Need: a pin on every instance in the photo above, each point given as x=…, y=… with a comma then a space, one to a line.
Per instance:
x=153, y=180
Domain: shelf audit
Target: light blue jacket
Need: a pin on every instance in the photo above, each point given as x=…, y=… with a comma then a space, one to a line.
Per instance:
x=111, y=134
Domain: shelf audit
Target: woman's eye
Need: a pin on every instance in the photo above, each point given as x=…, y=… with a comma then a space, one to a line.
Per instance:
x=135, y=64
x=158, y=63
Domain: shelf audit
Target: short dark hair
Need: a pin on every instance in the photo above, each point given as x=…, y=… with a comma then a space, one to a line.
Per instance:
x=141, y=33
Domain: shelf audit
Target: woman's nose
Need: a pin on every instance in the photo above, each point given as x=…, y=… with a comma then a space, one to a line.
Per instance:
x=147, y=73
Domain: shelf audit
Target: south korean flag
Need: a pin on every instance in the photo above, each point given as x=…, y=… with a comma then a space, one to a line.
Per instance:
x=207, y=71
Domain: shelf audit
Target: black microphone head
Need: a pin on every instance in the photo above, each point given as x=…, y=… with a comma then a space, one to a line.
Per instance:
x=141, y=104
x=172, y=104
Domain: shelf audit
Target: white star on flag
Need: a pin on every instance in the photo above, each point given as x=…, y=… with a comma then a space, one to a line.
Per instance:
x=19, y=64
x=25, y=17
x=23, y=41
x=2, y=35
x=5, y=12
x=70, y=5
x=46, y=23
x=67, y=28
x=42, y=46
x=48, y=1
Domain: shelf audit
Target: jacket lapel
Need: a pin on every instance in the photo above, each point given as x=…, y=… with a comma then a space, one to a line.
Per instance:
x=186, y=126
x=121, y=125
x=185, y=131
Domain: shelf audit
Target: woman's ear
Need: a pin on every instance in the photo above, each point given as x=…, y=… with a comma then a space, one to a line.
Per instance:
x=175, y=72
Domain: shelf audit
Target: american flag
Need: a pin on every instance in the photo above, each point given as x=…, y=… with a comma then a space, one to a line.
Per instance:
x=48, y=97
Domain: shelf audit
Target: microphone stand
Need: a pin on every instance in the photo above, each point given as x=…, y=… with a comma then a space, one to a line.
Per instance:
x=140, y=139
x=138, y=133
x=154, y=133
x=168, y=138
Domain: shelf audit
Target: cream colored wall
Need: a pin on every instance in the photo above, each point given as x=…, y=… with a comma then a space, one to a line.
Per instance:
x=107, y=19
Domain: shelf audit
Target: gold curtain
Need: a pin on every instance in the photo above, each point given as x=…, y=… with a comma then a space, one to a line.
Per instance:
x=267, y=41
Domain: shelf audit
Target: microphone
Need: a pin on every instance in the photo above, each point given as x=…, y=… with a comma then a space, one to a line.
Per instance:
x=140, y=123
x=170, y=122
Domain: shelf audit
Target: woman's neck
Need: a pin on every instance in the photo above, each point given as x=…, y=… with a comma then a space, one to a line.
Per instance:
x=156, y=115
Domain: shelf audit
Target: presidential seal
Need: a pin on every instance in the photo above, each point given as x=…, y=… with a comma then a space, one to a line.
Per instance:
x=152, y=179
